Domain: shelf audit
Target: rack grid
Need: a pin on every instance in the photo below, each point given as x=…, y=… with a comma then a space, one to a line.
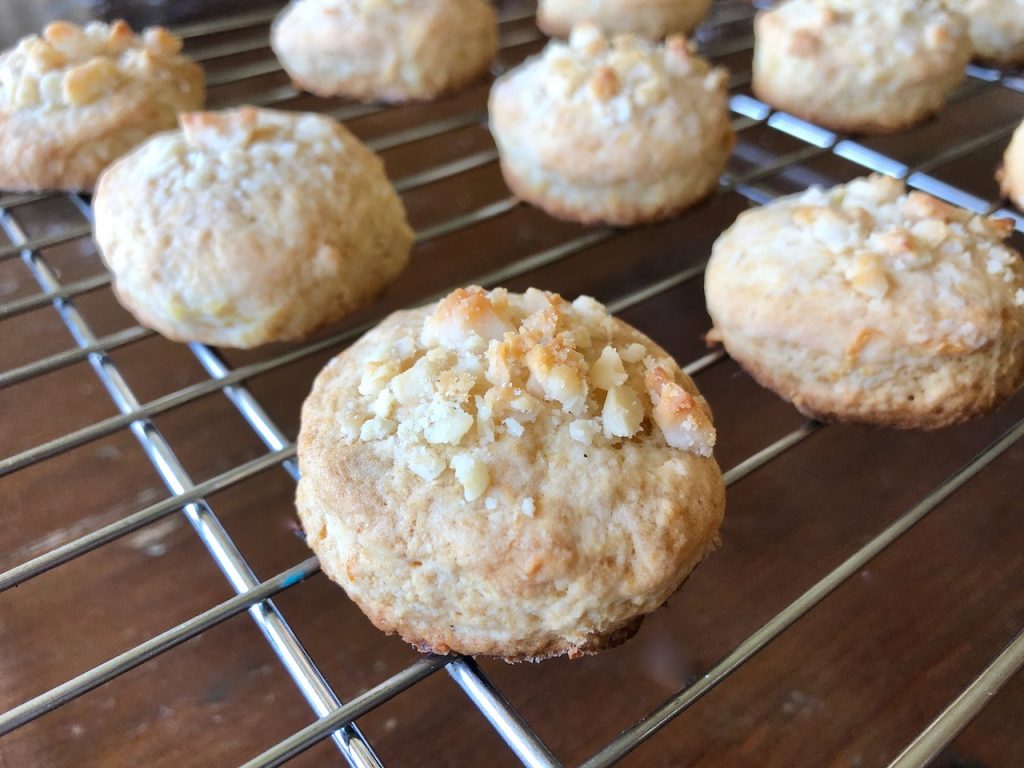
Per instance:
x=726, y=37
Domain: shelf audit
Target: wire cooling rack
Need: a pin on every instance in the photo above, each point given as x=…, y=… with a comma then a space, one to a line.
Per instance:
x=787, y=155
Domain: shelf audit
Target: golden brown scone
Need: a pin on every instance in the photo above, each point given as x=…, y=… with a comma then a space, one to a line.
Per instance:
x=249, y=226
x=868, y=66
x=508, y=474
x=622, y=131
x=389, y=50
x=867, y=304
x=1011, y=175
x=653, y=19
x=77, y=98
x=996, y=28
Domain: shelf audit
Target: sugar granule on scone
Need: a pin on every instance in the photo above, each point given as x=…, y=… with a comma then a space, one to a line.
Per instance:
x=619, y=130
x=654, y=19
x=869, y=304
x=74, y=99
x=868, y=66
x=388, y=50
x=249, y=226
x=508, y=474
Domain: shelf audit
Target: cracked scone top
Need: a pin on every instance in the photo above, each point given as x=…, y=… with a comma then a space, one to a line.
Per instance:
x=620, y=130
x=856, y=65
x=249, y=226
x=868, y=303
x=75, y=98
x=508, y=474
x=392, y=50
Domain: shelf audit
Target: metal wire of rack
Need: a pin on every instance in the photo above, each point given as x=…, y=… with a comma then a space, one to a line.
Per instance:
x=337, y=719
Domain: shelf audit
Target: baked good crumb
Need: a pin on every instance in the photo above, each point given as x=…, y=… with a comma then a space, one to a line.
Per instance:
x=867, y=67
x=74, y=99
x=248, y=226
x=868, y=303
x=508, y=474
x=617, y=130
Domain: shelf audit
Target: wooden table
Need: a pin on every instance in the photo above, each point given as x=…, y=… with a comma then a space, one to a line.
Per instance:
x=849, y=684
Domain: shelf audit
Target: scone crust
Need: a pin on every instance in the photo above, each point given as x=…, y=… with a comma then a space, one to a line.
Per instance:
x=621, y=131
x=996, y=28
x=1011, y=175
x=856, y=67
x=249, y=226
x=385, y=50
x=865, y=304
x=74, y=99
x=653, y=19
x=558, y=541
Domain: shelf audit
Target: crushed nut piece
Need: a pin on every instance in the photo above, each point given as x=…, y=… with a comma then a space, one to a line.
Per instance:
x=685, y=422
x=472, y=473
x=866, y=275
x=622, y=413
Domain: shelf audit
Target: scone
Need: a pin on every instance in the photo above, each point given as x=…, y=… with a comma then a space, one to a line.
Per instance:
x=866, y=304
x=76, y=98
x=868, y=66
x=388, y=50
x=508, y=474
x=249, y=226
x=621, y=131
x=654, y=19
x=996, y=28
x=1011, y=174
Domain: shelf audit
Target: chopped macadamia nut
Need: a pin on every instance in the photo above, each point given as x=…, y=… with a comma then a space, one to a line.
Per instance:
x=72, y=66
x=376, y=428
x=376, y=375
x=472, y=473
x=684, y=422
x=607, y=372
x=622, y=413
x=425, y=463
x=448, y=423
x=513, y=427
x=866, y=275
x=548, y=368
x=461, y=314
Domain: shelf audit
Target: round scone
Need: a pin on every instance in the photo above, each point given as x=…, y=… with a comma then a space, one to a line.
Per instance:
x=1011, y=175
x=508, y=474
x=76, y=98
x=388, y=50
x=653, y=19
x=996, y=28
x=249, y=226
x=869, y=66
x=622, y=131
x=866, y=304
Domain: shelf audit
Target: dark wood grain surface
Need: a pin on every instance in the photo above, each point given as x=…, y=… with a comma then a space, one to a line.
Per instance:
x=847, y=686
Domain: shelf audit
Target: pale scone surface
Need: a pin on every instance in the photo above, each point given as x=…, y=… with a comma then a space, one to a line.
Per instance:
x=393, y=50
x=1011, y=174
x=852, y=65
x=249, y=226
x=75, y=98
x=866, y=303
x=996, y=28
x=653, y=19
x=508, y=474
x=619, y=130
